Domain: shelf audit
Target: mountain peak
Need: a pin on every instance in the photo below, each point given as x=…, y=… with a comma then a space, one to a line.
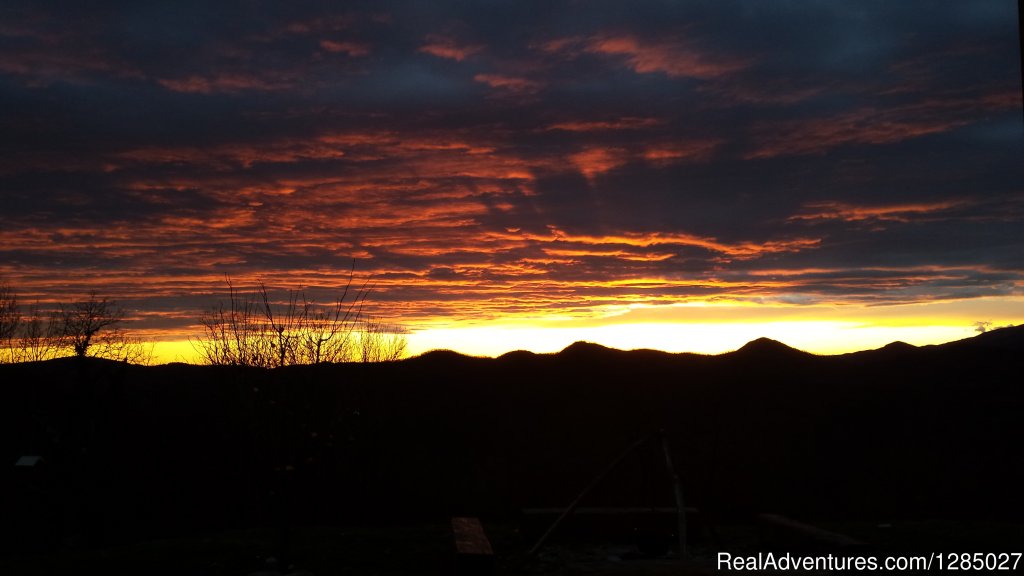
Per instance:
x=898, y=345
x=581, y=347
x=519, y=355
x=763, y=346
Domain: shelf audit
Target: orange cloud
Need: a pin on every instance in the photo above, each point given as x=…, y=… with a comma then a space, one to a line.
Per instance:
x=233, y=82
x=357, y=146
x=874, y=125
x=673, y=57
x=350, y=48
x=619, y=254
x=627, y=123
x=510, y=83
x=678, y=151
x=568, y=45
x=446, y=47
x=233, y=155
x=594, y=161
x=819, y=136
x=740, y=250
x=892, y=212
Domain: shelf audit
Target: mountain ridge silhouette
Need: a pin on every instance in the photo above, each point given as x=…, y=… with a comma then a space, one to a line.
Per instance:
x=897, y=432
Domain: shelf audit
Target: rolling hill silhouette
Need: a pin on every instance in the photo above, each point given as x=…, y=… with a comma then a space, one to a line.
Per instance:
x=898, y=347
x=1010, y=338
x=768, y=348
x=899, y=432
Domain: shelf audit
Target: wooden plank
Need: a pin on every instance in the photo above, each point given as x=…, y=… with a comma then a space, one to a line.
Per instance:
x=470, y=538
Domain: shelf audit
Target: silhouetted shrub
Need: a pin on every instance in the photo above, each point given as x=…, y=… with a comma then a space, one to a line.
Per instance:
x=250, y=329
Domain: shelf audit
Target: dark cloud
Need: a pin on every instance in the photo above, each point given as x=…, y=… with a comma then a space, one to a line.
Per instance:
x=513, y=155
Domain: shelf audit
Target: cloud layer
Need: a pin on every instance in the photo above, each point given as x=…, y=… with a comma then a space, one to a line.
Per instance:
x=512, y=159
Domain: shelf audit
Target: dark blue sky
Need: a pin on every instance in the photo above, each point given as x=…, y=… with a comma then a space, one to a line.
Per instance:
x=490, y=159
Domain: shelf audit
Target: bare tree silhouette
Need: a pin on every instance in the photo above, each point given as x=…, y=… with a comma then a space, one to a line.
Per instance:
x=39, y=337
x=252, y=329
x=381, y=342
x=82, y=321
x=84, y=328
x=10, y=321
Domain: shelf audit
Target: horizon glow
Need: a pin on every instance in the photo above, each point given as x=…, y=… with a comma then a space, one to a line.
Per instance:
x=709, y=329
x=680, y=176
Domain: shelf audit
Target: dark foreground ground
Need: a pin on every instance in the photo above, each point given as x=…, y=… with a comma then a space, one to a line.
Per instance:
x=196, y=470
x=427, y=549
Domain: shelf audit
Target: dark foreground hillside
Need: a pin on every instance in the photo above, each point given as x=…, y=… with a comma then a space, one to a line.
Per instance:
x=138, y=453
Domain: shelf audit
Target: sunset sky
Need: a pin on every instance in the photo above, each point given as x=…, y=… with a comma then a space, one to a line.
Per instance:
x=681, y=175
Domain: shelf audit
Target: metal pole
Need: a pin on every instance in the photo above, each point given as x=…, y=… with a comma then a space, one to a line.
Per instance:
x=678, y=488
x=575, y=503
